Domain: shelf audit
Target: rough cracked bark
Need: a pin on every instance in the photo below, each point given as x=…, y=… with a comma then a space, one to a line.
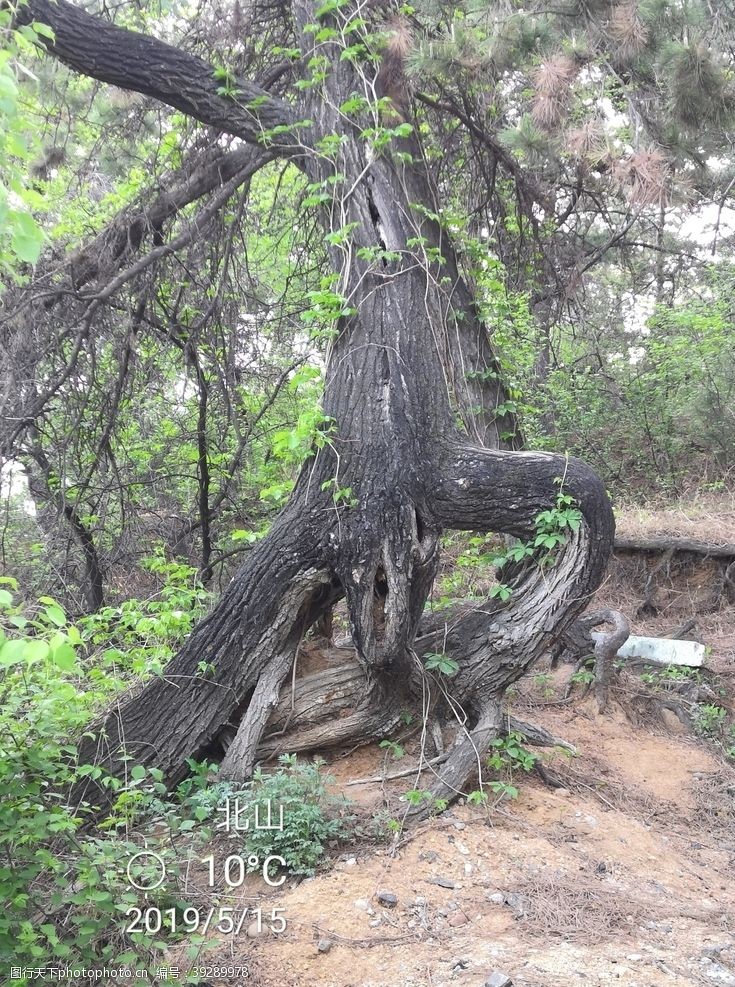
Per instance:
x=130, y=60
x=393, y=388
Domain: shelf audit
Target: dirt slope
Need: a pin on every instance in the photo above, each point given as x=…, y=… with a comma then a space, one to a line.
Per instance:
x=623, y=877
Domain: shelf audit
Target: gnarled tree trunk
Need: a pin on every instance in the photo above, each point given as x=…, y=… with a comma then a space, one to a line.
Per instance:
x=396, y=387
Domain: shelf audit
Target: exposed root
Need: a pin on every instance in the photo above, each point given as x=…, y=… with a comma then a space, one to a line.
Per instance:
x=360, y=727
x=535, y=735
x=606, y=648
x=240, y=757
x=648, y=705
x=464, y=760
x=648, y=606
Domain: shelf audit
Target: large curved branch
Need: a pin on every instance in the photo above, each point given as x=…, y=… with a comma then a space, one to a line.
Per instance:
x=491, y=490
x=94, y=47
x=124, y=235
x=495, y=642
x=488, y=490
x=25, y=416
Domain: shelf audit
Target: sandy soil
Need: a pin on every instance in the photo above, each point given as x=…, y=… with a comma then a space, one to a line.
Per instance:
x=618, y=878
x=623, y=876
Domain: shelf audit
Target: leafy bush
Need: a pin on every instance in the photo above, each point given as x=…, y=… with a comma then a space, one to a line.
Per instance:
x=709, y=719
x=312, y=818
x=66, y=891
x=509, y=756
x=649, y=407
x=139, y=636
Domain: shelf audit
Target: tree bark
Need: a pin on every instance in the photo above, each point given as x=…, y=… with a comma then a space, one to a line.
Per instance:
x=95, y=47
x=205, y=173
x=673, y=543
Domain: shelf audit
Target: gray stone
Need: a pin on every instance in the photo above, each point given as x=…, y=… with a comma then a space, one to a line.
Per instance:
x=498, y=979
x=517, y=902
x=497, y=898
x=713, y=951
x=717, y=972
x=387, y=899
x=444, y=882
x=324, y=945
x=362, y=904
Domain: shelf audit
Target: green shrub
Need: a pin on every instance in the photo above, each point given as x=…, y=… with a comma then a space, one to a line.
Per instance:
x=66, y=891
x=708, y=719
x=312, y=817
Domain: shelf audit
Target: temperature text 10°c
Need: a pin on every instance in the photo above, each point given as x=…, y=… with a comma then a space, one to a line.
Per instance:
x=235, y=869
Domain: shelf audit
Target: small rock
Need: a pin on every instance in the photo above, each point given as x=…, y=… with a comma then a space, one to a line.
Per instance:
x=712, y=951
x=375, y=922
x=456, y=919
x=498, y=979
x=362, y=904
x=717, y=972
x=458, y=824
x=350, y=862
x=254, y=930
x=461, y=963
x=634, y=957
x=517, y=902
x=420, y=901
x=497, y=898
x=562, y=791
x=388, y=899
x=444, y=882
x=324, y=945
